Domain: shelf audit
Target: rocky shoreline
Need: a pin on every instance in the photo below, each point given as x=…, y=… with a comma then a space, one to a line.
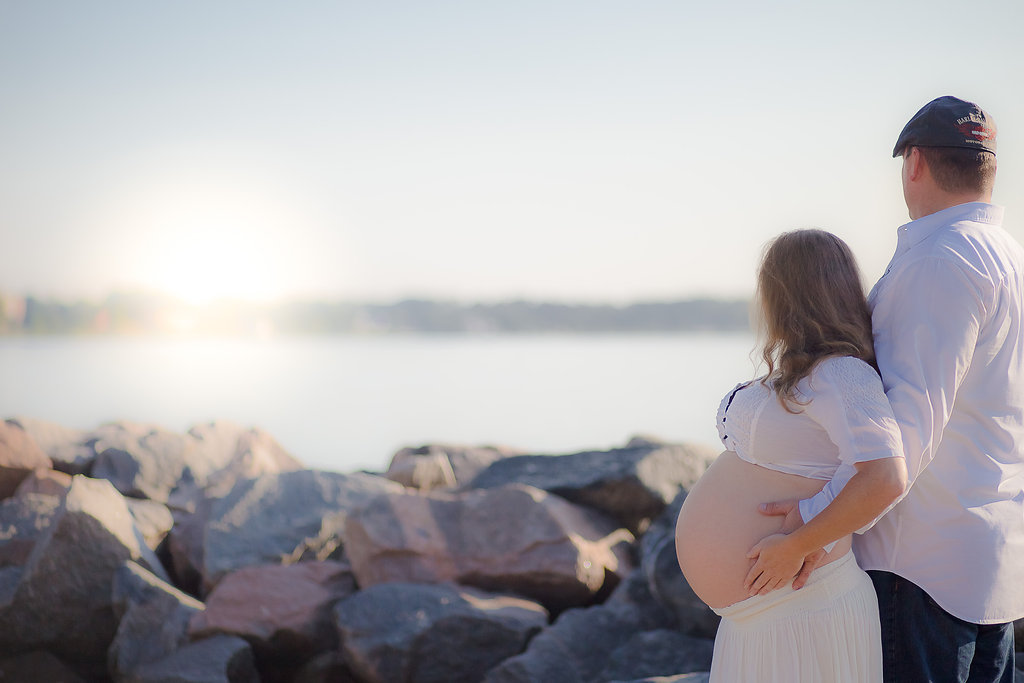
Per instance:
x=132, y=553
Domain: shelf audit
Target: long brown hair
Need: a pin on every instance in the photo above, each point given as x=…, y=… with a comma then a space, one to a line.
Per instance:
x=812, y=303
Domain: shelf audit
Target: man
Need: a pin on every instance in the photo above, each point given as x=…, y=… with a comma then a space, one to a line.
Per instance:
x=948, y=316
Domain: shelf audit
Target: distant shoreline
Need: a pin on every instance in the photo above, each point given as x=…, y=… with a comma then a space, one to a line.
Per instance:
x=134, y=314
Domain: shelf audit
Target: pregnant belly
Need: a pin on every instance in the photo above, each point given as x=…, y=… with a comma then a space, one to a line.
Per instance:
x=719, y=523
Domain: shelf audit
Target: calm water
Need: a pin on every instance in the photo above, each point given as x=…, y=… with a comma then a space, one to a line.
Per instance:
x=344, y=403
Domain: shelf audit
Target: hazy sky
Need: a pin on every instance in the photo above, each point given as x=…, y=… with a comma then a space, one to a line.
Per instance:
x=582, y=150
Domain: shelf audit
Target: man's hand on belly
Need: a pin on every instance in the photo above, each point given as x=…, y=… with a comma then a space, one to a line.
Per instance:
x=790, y=509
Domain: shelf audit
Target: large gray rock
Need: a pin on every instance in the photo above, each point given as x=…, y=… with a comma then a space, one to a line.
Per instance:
x=661, y=652
x=185, y=544
x=37, y=666
x=61, y=600
x=23, y=521
x=577, y=647
x=221, y=659
x=272, y=519
x=19, y=457
x=154, y=520
x=145, y=461
x=153, y=619
x=632, y=484
x=516, y=539
x=443, y=465
x=660, y=568
x=330, y=667
x=142, y=461
x=614, y=640
x=224, y=453
x=284, y=612
x=700, y=677
x=422, y=633
x=67, y=448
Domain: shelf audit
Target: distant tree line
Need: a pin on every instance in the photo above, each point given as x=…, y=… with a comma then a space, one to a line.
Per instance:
x=129, y=314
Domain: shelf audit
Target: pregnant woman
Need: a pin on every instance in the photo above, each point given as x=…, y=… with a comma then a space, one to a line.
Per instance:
x=821, y=403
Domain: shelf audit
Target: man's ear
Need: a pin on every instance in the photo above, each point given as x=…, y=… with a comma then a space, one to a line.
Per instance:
x=915, y=164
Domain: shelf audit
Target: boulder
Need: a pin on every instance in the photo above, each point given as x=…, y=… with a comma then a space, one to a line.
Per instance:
x=632, y=484
x=221, y=659
x=23, y=521
x=154, y=520
x=19, y=457
x=224, y=453
x=442, y=465
x=47, y=482
x=701, y=677
x=272, y=519
x=61, y=600
x=142, y=461
x=184, y=545
x=37, y=666
x=667, y=585
x=577, y=647
x=67, y=448
x=662, y=652
x=152, y=620
x=515, y=539
x=330, y=667
x=432, y=633
x=608, y=640
x=284, y=612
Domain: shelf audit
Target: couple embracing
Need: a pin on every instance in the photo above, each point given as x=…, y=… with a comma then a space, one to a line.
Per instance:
x=866, y=521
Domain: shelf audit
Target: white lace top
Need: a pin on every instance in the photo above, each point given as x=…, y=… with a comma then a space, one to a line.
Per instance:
x=847, y=419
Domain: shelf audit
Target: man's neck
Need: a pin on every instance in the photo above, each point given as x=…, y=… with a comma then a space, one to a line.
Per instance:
x=945, y=201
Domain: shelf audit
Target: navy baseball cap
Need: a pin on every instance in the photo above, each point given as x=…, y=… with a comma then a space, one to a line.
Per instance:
x=949, y=122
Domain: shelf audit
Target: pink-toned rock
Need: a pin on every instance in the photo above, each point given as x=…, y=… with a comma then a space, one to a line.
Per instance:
x=271, y=519
x=19, y=457
x=516, y=538
x=284, y=612
x=45, y=482
x=443, y=465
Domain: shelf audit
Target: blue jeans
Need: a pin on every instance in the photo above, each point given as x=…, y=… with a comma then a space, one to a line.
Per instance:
x=921, y=642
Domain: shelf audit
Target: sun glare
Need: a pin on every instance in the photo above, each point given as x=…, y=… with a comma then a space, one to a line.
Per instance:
x=216, y=258
x=207, y=242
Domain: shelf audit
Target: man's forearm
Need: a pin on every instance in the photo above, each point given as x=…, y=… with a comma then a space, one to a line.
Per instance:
x=865, y=497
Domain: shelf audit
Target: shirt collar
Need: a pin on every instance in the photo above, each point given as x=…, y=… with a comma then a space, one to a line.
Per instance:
x=913, y=232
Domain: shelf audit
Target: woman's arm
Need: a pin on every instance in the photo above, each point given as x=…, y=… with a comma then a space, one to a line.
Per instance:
x=869, y=493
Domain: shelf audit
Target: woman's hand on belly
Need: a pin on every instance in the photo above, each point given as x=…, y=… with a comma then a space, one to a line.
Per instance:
x=777, y=561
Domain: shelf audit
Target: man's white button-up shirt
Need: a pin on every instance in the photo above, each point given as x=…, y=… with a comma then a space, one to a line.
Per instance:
x=948, y=318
